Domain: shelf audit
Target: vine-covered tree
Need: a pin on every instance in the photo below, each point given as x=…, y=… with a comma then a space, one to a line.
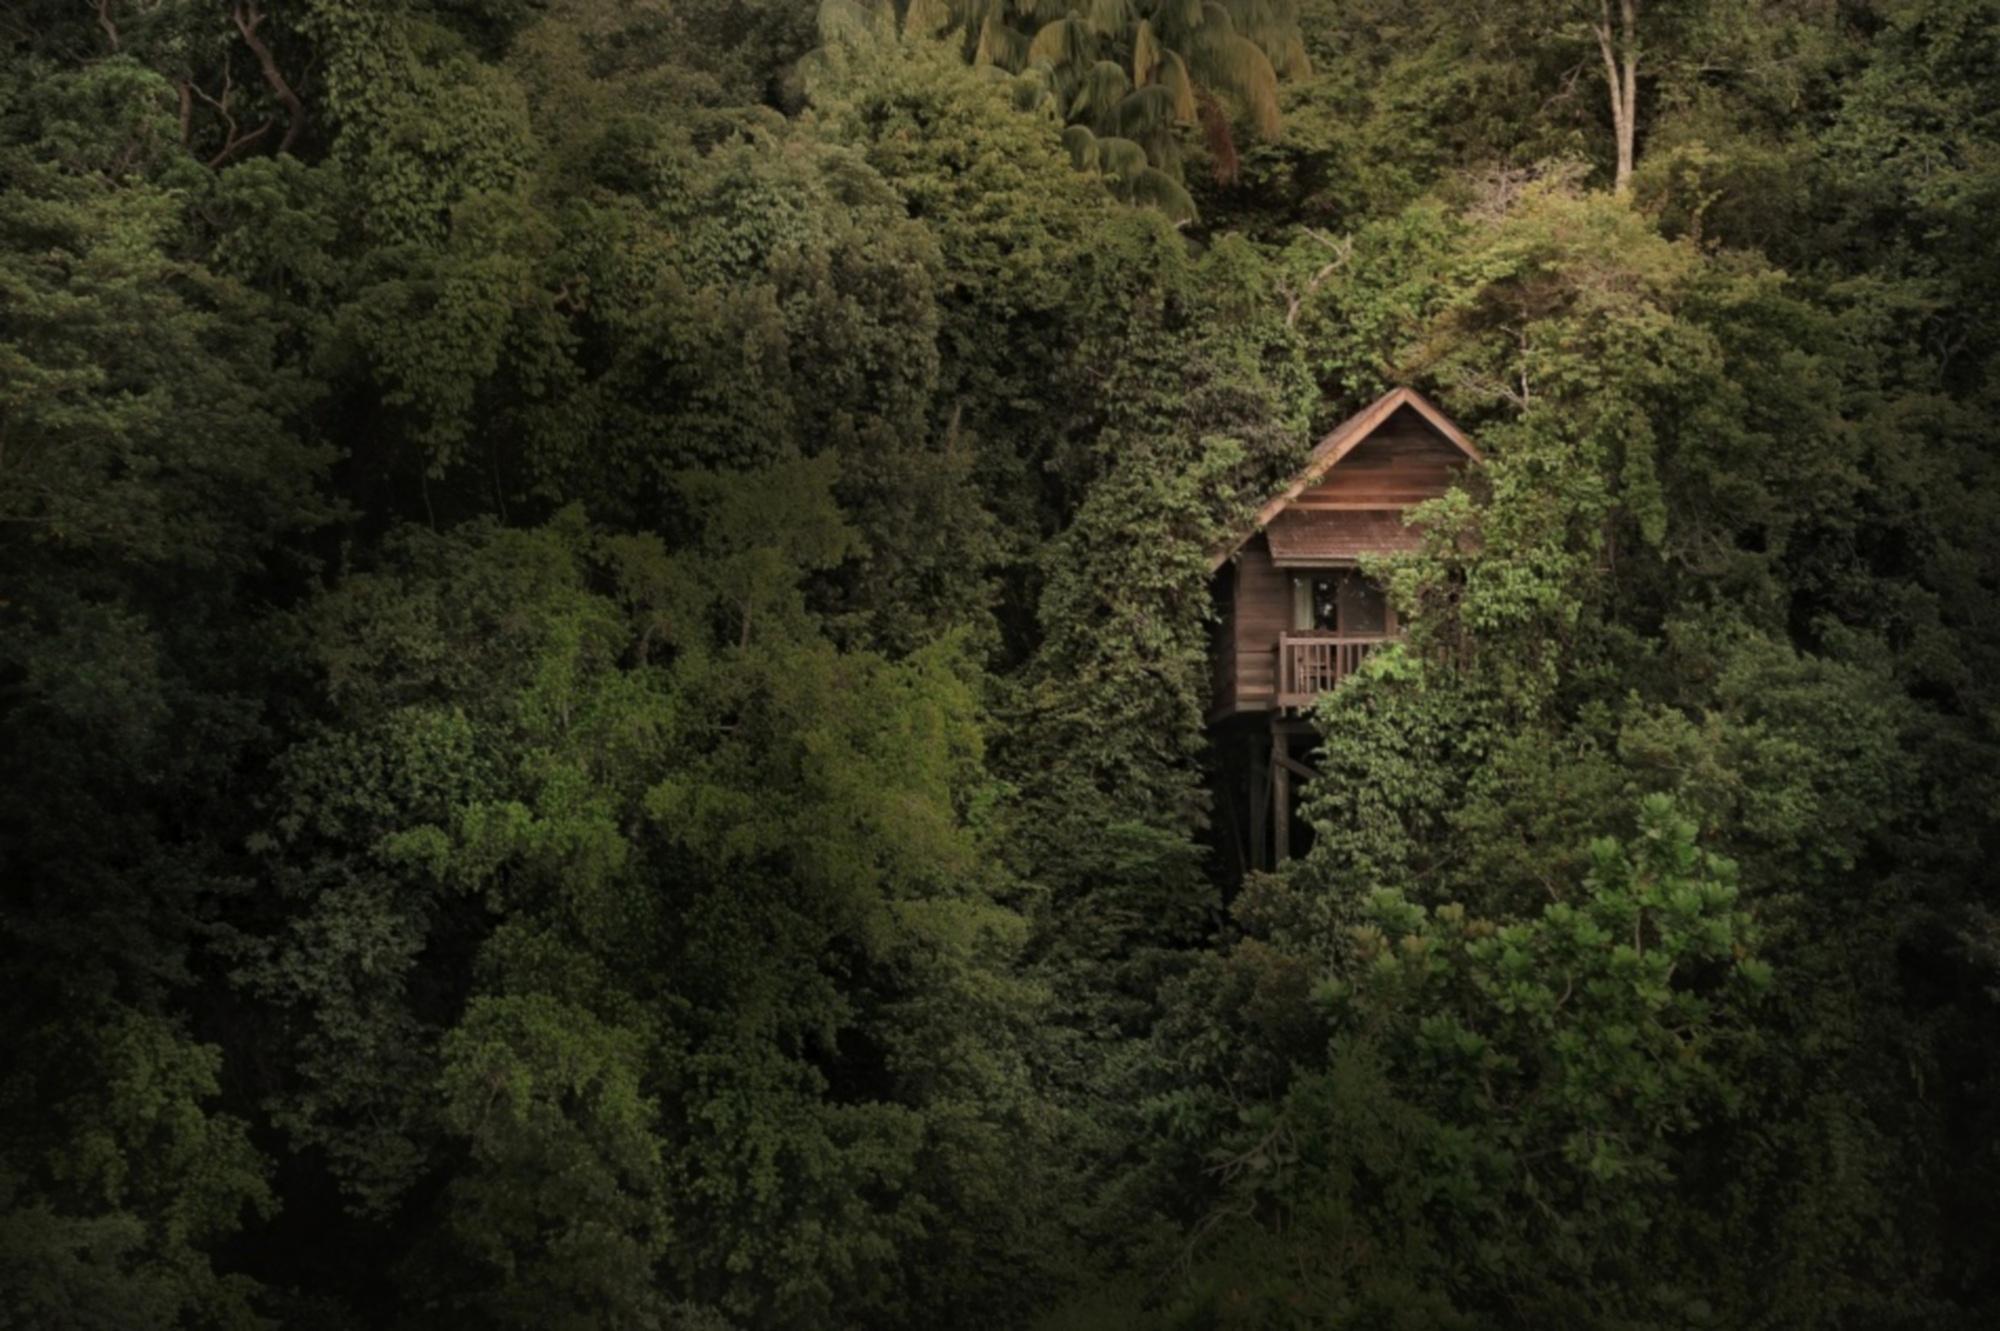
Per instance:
x=605, y=695
x=1126, y=81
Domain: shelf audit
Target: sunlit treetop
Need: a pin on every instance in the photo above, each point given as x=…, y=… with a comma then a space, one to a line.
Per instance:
x=1128, y=79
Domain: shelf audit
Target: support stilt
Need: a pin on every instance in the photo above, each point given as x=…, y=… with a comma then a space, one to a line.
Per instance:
x=1281, y=794
x=1233, y=830
x=1260, y=805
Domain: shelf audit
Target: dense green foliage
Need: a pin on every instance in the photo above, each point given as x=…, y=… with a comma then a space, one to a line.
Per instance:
x=603, y=667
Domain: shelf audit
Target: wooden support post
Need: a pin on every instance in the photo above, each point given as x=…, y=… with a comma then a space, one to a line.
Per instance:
x=1260, y=806
x=1232, y=829
x=1281, y=794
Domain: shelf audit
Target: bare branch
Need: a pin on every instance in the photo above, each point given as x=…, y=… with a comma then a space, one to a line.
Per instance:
x=234, y=142
x=1343, y=251
x=248, y=19
x=104, y=22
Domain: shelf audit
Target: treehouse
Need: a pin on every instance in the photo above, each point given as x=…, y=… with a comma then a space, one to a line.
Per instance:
x=1295, y=613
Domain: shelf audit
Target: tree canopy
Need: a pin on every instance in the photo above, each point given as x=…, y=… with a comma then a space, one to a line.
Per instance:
x=605, y=683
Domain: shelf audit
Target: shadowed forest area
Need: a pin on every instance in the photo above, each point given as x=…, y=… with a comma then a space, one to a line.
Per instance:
x=605, y=616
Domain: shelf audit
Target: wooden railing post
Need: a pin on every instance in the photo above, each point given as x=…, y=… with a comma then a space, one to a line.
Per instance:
x=1310, y=664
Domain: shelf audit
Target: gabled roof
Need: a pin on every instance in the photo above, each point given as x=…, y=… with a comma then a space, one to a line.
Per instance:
x=1349, y=435
x=1300, y=538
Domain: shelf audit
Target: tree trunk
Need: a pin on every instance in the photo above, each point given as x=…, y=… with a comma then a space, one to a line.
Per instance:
x=1620, y=49
x=248, y=19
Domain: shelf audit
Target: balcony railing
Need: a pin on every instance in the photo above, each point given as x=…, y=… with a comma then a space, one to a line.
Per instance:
x=1311, y=663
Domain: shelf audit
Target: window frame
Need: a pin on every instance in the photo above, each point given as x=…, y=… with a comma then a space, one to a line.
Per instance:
x=1305, y=603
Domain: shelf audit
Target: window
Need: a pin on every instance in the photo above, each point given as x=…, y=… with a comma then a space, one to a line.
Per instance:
x=1363, y=607
x=1338, y=601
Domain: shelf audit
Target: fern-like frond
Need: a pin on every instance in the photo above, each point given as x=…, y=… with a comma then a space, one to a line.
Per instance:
x=1110, y=18
x=1177, y=21
x=856, y=22
x=1000, y=45
x=1065, y=41
x=1082, y=147
x=1215, y=24
x=1098, y=97
x=1120, y=157
x=1290, y=57
x=1146, y=114
x=1153, y=188
x=1255, y=19
x=1043, y=76
x=1033, y=93
x=1235, y=63
x=1173, y=76
x=929, y=18
x=1274, y=26
x=1257, y=84
x=1146, y=51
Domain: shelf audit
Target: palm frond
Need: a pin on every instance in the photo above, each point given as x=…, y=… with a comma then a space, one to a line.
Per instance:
x=1257, y=84
x=1082, y=147
x=1290, y=57
x=1225, y=60
x=929, y=18
x=1173, y=76
x=1254, y=19
x=1178, y=20
x=1146, y=113
x=1065, y=41
x=1153, y=188
x=1146, y=51
x=1110, y=18
x=1032, y=93
x=856, y=22
x=1120, y=157
x=1000, y=45
x=1274, y=27
x=1098, y=98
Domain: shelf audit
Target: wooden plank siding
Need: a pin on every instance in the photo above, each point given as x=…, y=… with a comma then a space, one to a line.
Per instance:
x=1391, y=470
x=1263, y=610
x=1222, y=639
x=1397, y=453
x=1398, y=413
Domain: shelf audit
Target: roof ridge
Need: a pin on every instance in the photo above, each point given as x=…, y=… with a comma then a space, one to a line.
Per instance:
x=1338, y=443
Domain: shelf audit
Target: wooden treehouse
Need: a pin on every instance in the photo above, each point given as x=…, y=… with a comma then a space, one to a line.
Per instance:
x=1295, y=615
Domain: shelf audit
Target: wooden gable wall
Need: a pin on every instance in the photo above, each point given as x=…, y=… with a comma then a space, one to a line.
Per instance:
x=1261, y=610
x=1403, y=463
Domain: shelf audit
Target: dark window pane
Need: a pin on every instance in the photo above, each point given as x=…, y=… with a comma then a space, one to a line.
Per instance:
x=1326, y=603
x=1363, y=608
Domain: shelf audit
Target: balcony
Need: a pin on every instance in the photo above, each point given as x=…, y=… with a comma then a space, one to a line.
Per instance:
x=1311, y=663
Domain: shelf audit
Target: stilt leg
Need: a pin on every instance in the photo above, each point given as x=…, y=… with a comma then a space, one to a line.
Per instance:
x=1260, y=805
x=1281, y=795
